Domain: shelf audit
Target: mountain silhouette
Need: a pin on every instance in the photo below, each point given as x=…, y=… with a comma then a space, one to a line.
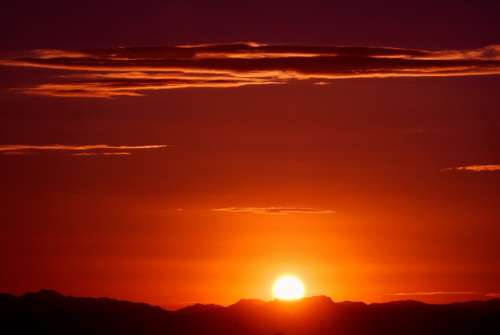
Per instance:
x=49, y=312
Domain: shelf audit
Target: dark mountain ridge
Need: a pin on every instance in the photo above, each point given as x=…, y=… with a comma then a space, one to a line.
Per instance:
x=49, y=312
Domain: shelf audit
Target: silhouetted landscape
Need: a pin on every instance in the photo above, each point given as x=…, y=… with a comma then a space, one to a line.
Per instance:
x=49, y=312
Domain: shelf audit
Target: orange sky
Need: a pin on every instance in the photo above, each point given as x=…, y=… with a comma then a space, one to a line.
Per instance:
x=203, y=178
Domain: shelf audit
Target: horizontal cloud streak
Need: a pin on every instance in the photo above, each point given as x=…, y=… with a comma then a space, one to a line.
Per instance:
x=105, y=73
x=85, y=154
x=493, y=295
x=476, y=168
x=463, y=294
x=274, y=210
x=86, y=150
x=436, y=293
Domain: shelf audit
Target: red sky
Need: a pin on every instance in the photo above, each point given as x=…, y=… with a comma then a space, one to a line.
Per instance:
x=179, y=175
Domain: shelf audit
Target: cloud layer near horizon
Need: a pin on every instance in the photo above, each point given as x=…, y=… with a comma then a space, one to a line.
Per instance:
x=424, y=293
x=476, y=168
x=489, y=295
x=274, y=210
x=77, y=150
x=132, y=71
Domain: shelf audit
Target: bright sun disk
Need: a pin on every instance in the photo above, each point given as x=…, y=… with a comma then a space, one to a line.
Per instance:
x=288, y=288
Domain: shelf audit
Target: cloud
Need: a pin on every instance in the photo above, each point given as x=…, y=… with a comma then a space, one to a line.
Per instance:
x=476, y=168
x=81, y=150
x=492, y=295
x=102, y=154
x=487, y=295
x=133, y=71
x=437, y=293
x=274, y=210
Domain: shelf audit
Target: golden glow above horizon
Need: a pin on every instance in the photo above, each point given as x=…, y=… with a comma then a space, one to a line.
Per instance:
x=288, y=287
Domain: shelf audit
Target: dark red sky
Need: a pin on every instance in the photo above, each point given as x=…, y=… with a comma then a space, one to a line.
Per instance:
x=368, y=189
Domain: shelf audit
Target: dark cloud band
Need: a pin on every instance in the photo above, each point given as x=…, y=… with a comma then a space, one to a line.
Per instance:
x=132, y=71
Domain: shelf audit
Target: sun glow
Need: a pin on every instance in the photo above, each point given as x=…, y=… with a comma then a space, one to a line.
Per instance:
x=288, y=287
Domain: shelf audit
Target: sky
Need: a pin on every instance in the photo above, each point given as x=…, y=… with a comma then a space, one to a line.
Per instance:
x=175, y=152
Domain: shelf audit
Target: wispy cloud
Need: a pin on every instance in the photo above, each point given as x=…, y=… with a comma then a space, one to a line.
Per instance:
x=432, y=293
x=465, y=294
x=493, y=295
x=77, y=150
x=476, y=168
x=274, y=210
x=132, y=71
x=121, y=153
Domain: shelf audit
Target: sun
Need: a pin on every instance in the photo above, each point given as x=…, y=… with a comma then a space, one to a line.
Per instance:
x=288, y=287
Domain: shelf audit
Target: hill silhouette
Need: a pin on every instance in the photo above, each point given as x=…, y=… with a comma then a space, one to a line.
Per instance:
x=49, y=312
